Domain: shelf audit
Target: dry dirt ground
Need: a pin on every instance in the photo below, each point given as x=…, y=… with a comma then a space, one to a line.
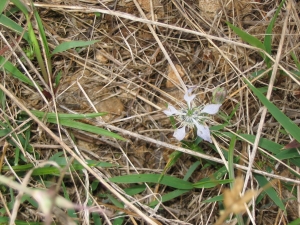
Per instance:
x=147, y=53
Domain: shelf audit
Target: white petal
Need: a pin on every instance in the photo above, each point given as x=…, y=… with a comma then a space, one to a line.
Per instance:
x=211, y=108
x=191, y=89
x=179, y=133
x=189, y=98
x=203, y=131
x=171, y=111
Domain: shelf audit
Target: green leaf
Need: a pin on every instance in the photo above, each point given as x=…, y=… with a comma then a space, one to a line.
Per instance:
x=214, y=180
x=153, y=178
x=295, y=222
x=43, y=38
x=270, y=191
x=86, y=127
x=211, y=183
x=288, y=154
x=191, y=170
x=21, y=6
x=268, y=35
x=230, y=159
x=247, y=37
x=169, y=196
x=62, y=116
x=12, y=25
x=285, y=122
x=135, y=189
x=3, y=4
x=9, y=67
x=67, y=120
x=217, y=198
x=72, y=44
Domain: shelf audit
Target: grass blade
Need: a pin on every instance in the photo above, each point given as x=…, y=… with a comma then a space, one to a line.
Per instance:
x=9, y=67
x=72, y=44
x=61, y=116
x=169, y=196
x=285, y=122
x=12, y=25
x=268, y=36
x=3, y=5
x=270, y=191
x=153, y=178
x=86, y=127
x=247, y=37
x=43, y=38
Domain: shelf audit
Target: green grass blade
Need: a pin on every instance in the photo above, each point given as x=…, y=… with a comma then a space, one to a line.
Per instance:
x=270, y=191
x=268, y=36
x=12, y=25
x=9, y=67
x=230, y=159
x=3, y=4
x=296, y=60
x=217, y=198
x=214, y=180
x=169, y=196
x=2, y=103
x=285, y=122
x=43, y=38
x=61, y=116
x=191, y=170
x=211, y=183
x=153, y=178
x=21, y=6
x=72, y=44
x=67, y=120
x=86, y=127
x=295, y=222
x=247, y=37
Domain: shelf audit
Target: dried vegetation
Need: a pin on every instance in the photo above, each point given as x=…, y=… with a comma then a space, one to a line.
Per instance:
x=130, y=74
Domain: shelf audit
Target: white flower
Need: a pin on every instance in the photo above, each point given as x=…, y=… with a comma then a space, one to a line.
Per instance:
x=192, y=117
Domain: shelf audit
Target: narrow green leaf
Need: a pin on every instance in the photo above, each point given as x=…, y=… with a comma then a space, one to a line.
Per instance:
x=191, y=170
x=64, y=119
x=296, y=60
x=2, y=105
x=230, y=159
x=270, y=191
x=268, y=35
x=9, y=67
x=21, y=6
x=169, y=196
x=295, y=222
x=43, y=38
x=72, y=44
x=86, y=127
x=62, y=116
x=217, y=198
x=3, y=4
x=211, y=183
x=285, y=122
x=247, y=37
x=153, y=178
x=12, y=25
x=135, y=189
x=288, y=154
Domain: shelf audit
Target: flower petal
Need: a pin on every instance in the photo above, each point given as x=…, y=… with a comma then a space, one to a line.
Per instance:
x=203, y=131
x=188, y=97
x=171, y=111
x=179, y=133
x=211, y=109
